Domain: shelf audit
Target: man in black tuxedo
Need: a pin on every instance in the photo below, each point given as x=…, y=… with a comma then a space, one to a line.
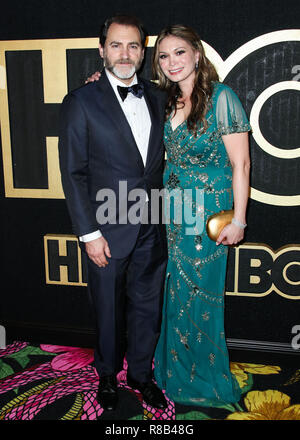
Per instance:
x=111, y=138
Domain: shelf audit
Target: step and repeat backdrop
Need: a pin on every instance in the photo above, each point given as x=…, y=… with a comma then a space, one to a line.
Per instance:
x=49, y=49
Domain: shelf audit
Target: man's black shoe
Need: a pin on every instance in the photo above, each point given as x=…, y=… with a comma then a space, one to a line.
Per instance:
x=107, y=393
x=150, y=392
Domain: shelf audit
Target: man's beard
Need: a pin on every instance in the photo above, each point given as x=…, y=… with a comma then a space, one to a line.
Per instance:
x=114, y=68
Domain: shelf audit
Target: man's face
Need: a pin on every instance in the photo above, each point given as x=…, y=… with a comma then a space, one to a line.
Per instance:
x=123, y=52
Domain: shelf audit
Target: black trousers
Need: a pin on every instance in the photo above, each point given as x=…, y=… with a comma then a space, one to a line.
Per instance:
x=127, y=297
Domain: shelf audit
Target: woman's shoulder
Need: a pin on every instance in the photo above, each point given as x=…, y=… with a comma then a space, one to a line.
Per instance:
x=223, y=94
x=219, y=87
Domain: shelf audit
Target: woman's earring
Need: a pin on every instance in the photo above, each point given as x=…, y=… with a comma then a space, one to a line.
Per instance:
x=196, y=65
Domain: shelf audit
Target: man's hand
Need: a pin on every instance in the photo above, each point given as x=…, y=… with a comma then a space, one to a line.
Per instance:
x=98, y=250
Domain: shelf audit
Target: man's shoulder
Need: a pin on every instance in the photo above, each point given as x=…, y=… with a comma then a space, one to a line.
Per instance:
x=84, y=91
x=83, y=95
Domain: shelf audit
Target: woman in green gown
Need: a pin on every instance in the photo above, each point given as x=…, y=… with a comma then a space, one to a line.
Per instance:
x=207, y=150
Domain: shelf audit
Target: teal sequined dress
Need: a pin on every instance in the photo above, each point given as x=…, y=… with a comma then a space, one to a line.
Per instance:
x=191, y=358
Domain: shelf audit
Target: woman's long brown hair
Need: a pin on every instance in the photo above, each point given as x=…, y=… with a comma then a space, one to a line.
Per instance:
x=205, y=75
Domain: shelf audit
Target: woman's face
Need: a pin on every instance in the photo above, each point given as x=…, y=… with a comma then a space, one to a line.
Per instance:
x=177, y=59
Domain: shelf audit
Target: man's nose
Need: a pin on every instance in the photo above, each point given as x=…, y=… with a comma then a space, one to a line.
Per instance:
x=124, y=52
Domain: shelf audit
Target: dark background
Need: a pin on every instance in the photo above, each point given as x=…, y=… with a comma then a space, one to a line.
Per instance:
x=32, y=310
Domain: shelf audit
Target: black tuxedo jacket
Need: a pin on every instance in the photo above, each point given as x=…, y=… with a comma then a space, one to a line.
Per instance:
x=97, y=150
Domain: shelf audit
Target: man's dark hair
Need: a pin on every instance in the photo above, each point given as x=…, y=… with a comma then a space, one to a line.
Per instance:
x=126, y=20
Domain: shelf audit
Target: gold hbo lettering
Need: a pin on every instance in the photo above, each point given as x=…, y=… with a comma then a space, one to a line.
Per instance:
x=54, y=55
x=258, y=271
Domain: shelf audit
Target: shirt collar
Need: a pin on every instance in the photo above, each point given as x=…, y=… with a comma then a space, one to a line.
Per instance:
x=115, y=82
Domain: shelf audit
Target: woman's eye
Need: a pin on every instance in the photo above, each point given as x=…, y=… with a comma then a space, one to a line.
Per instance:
x=162, y=57
x=180, y=52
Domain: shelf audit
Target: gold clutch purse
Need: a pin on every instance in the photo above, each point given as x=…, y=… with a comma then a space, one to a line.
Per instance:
x=216, y=222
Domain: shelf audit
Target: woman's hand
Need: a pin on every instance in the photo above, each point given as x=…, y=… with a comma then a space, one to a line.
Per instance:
x=94, y=77
x=230, y=235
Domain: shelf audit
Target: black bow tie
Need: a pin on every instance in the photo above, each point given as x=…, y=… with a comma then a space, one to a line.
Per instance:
x=137, y=90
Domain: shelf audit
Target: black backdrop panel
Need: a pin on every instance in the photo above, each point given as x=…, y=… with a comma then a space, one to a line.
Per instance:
x=31, y=308
x=29, y=128
x=279, y=117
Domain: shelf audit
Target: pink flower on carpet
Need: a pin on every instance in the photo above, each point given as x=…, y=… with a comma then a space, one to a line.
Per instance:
x=122, y=375
x=71, y=358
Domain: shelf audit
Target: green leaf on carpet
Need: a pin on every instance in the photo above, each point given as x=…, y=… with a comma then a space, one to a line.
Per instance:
x=22, y=356
x=192, y=415
x=5, y=370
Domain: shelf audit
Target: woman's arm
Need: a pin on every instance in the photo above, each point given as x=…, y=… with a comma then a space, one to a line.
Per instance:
x=237, y=147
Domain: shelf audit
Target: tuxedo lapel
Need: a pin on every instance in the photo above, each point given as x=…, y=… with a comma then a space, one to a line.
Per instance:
x=155, y=123
x=111, y=105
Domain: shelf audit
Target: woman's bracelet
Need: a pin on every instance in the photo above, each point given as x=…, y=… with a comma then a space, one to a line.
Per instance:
x=239, y=224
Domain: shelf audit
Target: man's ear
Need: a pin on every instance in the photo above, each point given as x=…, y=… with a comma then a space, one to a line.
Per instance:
x=101, y=50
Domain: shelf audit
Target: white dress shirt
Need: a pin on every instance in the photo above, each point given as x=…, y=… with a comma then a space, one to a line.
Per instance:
x=137, y=115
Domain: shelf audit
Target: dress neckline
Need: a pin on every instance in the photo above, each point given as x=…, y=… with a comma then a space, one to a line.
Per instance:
x=215, y=88
x=179, y=125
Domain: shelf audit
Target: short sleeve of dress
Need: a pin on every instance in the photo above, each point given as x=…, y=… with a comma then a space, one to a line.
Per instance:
x=230, y=115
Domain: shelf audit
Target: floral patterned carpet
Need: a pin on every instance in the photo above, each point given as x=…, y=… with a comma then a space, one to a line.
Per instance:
x=50, y=382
